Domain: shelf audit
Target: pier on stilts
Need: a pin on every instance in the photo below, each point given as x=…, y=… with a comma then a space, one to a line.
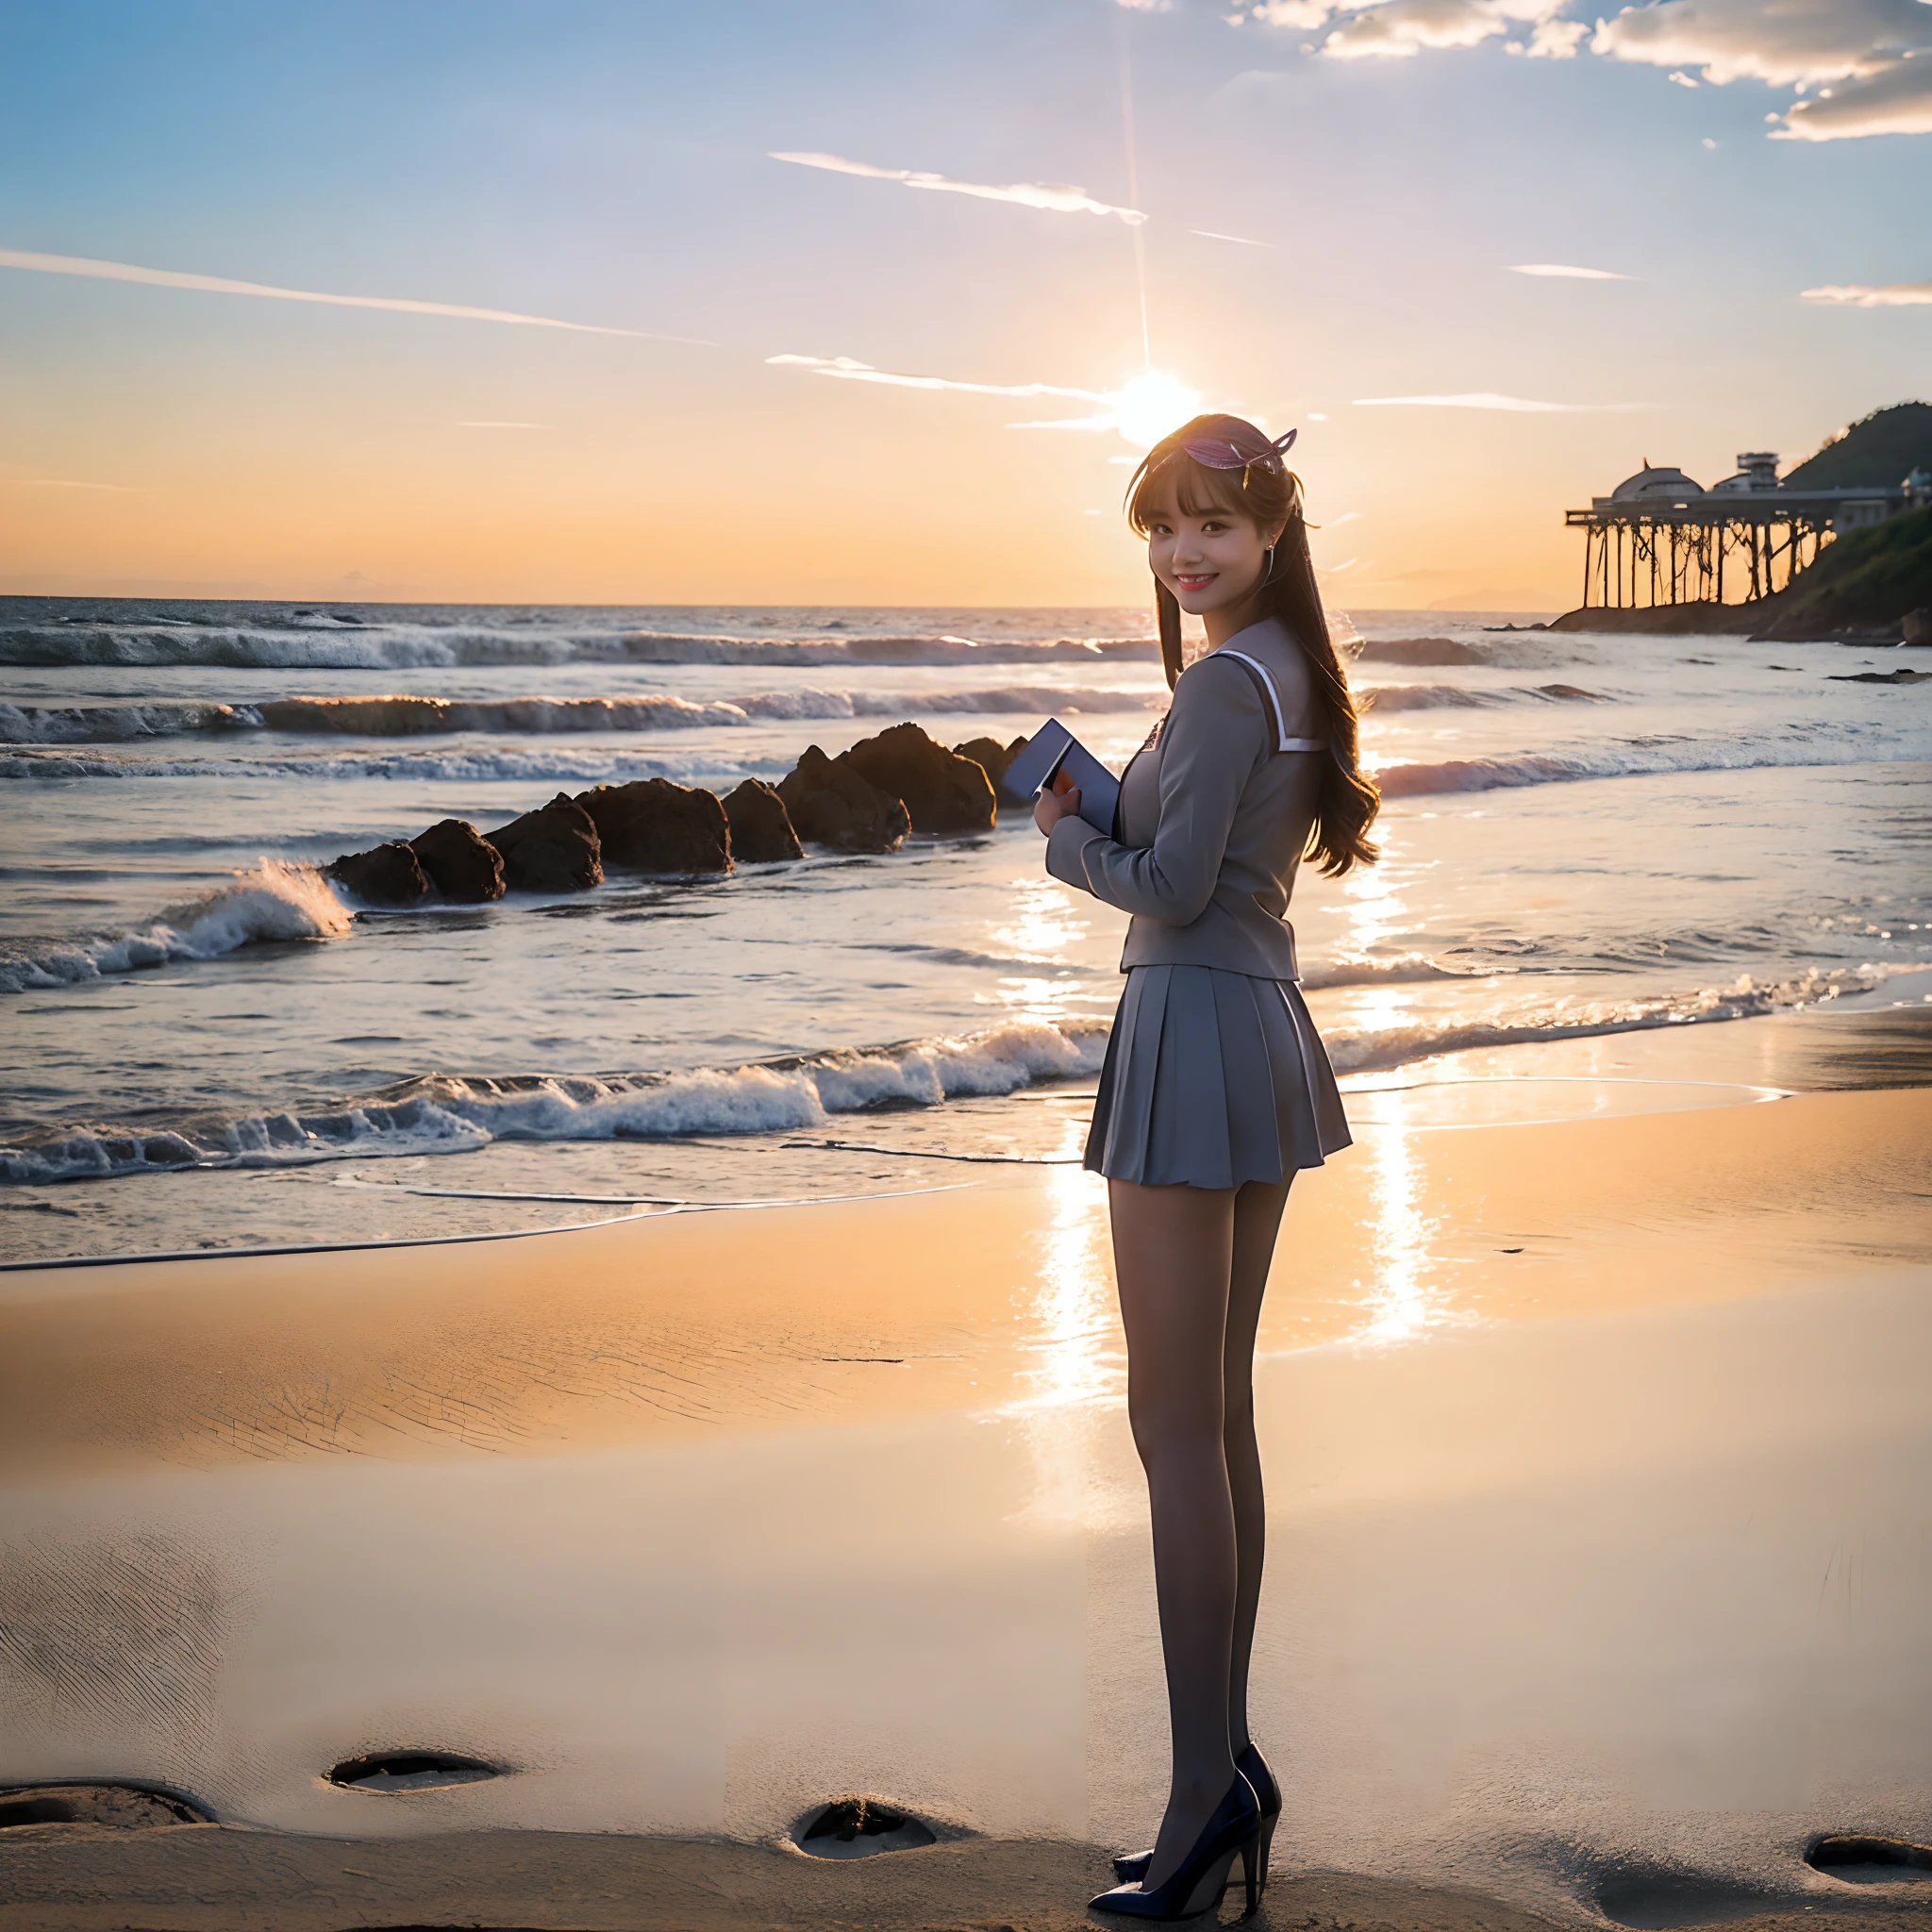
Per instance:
x=1659, y=539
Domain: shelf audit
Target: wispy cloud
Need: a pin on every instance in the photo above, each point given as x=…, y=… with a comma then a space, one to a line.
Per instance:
x=476, y=424
x=1056, y=198
x=1143, y=408
x=1483, y=399
x=847, y=370
x=1243, y=239
x=1856, y=295
x=70, y=483
x=1558, y=267
x=220, y=285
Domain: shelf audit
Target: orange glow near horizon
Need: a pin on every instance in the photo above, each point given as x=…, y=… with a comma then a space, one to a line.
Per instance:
x=513, y=474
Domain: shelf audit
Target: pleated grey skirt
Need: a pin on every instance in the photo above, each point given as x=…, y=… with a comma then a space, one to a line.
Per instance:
x=1212, y=1079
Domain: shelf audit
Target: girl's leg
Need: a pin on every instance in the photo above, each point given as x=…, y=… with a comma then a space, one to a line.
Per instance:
x=1257, y=1218
x=1174, y=1250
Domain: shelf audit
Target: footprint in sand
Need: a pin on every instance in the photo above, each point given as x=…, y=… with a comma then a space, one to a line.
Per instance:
x=120, y=1807
x=1860, y=1860
x=410, y=1771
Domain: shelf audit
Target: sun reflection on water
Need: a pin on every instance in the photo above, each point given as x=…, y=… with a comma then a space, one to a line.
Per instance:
x=1401, y=1301
x=1075, y=1369
x=1373, y=910
x=1043, y=927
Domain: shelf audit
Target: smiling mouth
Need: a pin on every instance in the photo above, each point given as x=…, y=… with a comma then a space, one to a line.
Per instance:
x=1188, y=581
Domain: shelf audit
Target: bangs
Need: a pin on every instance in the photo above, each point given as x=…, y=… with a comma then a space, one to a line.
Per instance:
x=1194, y=490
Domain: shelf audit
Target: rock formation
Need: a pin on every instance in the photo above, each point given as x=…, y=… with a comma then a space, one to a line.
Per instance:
x=463, y=867
x=831, y=805
x=386, y=875
x=762, y=828
x=992, y=757
x=941, y=791
x=551, y=850
x=655, y=825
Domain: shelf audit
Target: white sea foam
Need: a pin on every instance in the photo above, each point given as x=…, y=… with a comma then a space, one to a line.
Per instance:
x=484, y=764
x=1405, y=968
x=1818, y=743
x=446, y=1114
x=271, y=901
x=1366, y=1049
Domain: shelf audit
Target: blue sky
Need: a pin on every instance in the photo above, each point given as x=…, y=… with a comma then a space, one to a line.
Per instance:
x=610, y=165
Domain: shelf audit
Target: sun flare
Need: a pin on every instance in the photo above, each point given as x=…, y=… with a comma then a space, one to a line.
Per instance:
x=1150, y=404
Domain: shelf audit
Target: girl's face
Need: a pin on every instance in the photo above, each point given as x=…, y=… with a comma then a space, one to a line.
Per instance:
x=1209, y=561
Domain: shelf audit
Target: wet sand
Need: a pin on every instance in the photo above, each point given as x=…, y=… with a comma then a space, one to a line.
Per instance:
x=1598, y=1574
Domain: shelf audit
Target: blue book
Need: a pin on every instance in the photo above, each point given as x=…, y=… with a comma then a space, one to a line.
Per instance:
x=1054, y=749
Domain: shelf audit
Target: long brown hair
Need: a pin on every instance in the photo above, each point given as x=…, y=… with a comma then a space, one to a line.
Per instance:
x=1266, y=495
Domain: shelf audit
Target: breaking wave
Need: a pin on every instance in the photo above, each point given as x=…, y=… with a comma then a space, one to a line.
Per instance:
x=1370, y=1049
x=404, y=716
x=404, y=647
x=1517, y=652
x=446, y=1114
x=449, y=1113
x=1635, y=758
x=271, y=901
x=1405, y=968
x=484, y=765
x=1436, y=697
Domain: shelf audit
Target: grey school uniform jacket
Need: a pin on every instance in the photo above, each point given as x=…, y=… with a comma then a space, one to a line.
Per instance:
x=1213, y=818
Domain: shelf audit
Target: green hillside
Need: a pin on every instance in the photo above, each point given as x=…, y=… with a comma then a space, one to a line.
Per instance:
x=1879, y=450
x=1867, y=578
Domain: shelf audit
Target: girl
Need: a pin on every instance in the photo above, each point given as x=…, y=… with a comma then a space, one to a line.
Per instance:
x=1215, y=1089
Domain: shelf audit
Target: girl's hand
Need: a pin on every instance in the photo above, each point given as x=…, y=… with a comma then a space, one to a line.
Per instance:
x=1060, y=800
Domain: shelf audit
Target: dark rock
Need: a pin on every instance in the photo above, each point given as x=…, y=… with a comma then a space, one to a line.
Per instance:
x=384, y=875
x=831, y=805
x=554, y=849
x=860, y=1828
x=941, y=791
x=992, y=757
x=762, y=828
x=462, y=864
x=658, y=827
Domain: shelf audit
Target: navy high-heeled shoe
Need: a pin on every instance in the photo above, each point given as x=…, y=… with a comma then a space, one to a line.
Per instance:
x=1254, y=1766
x=1200, y=1883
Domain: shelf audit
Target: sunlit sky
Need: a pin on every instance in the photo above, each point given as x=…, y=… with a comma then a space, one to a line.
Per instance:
x=749, y=213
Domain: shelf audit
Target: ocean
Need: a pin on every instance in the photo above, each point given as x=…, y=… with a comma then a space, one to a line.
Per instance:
x=1587, y=838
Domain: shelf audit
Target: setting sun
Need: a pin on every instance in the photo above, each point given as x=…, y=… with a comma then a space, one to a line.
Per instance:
x=1150, y=404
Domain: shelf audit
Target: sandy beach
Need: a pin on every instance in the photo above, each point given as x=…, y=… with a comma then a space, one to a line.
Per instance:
x=1597, y=1588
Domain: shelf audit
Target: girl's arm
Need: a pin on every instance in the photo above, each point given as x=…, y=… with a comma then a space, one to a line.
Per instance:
x=1216, y=733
